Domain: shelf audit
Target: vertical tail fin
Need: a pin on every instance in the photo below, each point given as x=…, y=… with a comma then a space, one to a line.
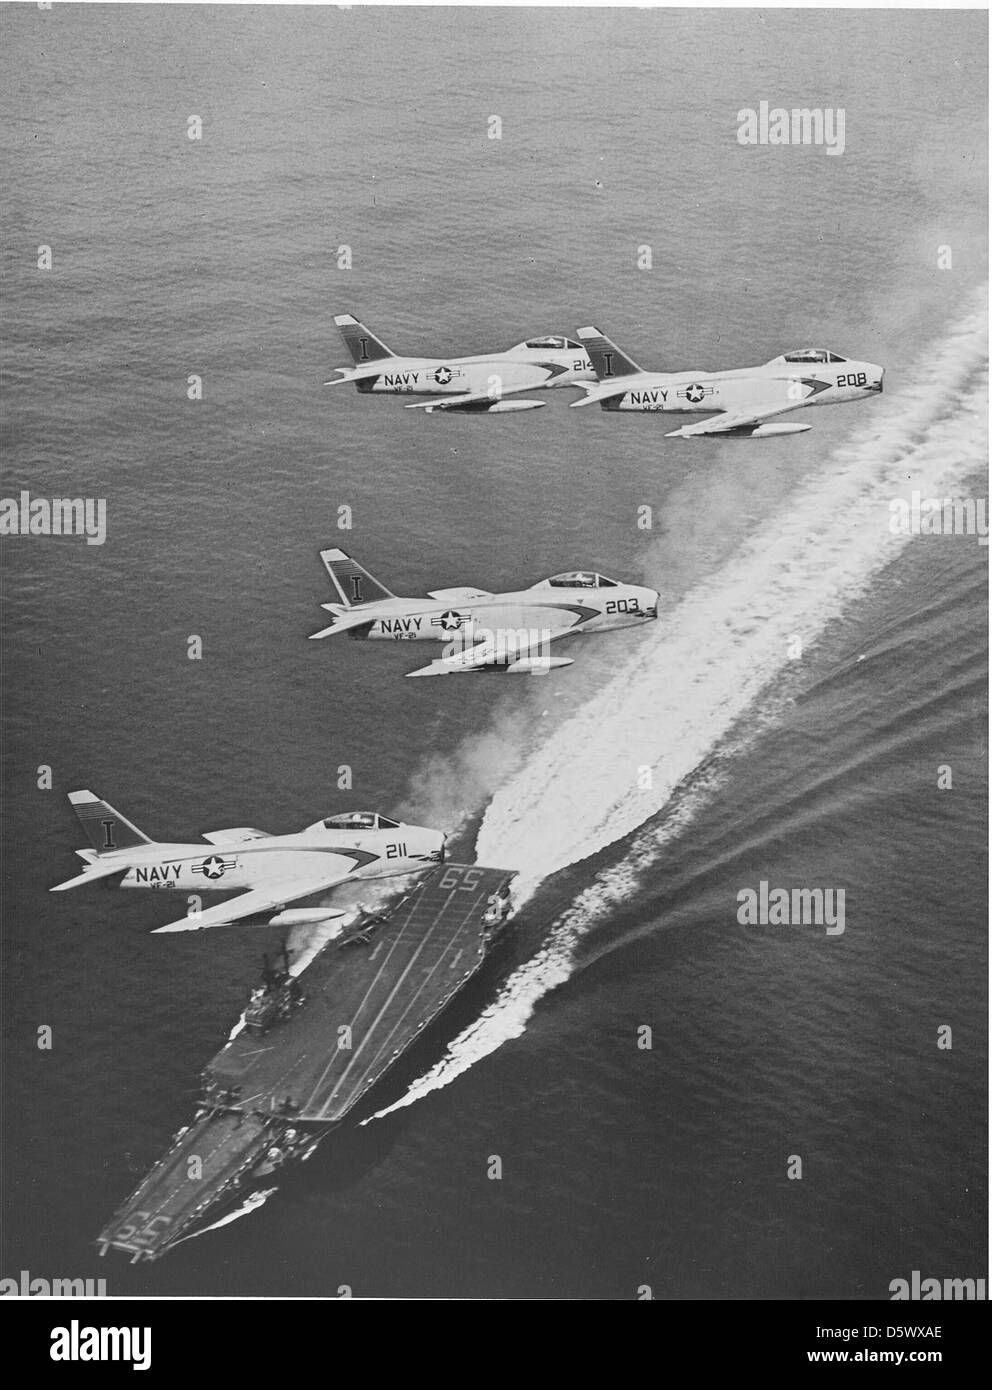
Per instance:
x=106, y=829
x=608, y=362
x=362, y=343
x=354, y=584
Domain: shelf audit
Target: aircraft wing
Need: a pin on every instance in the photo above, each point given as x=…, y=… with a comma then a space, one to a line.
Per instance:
x=240, y=835
x=458, y=595
x=483, y=400
x=275, y=894
x=740, y=421
x=520, y=657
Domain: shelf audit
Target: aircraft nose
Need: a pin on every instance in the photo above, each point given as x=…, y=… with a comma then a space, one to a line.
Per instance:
x=877, y=375
x=653, y=598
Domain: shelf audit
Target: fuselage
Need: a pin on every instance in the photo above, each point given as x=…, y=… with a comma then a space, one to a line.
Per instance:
x=543, y=609
x=496, y=373
x=776, y=383
x=197, y=868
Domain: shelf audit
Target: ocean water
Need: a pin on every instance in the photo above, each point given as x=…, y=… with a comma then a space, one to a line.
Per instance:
x=324, y=128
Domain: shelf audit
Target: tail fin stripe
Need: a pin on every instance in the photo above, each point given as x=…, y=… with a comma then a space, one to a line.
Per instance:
x=362, y=343
x=607, y=360
x=354, y=584
x=106, y=829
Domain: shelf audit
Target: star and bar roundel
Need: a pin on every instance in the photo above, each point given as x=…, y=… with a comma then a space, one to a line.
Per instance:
x=214, y=866
x=694, y=392
x=450, y=621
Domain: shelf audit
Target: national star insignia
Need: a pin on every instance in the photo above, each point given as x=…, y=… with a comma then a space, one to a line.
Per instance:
x=214, y=866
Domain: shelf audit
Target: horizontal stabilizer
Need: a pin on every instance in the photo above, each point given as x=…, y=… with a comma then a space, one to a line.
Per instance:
x=101, y=869
x=343, y=621
x=352, y=374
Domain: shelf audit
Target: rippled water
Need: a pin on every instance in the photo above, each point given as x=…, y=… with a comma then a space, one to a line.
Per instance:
x=323, y=128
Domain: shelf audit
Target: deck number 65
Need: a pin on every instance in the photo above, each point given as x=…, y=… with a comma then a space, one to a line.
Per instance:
x=467, y=879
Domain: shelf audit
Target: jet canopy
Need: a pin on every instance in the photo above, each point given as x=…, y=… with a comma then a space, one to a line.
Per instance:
x=554, y=342
x=577, y=579
x=810, y=355
x=358, y=820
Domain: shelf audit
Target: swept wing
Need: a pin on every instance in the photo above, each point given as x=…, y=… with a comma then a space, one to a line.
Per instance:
x=489, y=652
x=742, y=421
x=275, y=894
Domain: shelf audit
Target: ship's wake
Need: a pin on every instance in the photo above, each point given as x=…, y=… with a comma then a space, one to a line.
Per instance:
x=705, y=676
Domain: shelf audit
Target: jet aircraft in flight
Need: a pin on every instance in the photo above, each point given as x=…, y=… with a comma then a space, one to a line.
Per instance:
x=275, y=870
x=736, y=402
x=484, y=631
x=462, y=383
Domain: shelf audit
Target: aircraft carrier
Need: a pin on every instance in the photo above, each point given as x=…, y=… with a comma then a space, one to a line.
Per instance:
x=309, y=1047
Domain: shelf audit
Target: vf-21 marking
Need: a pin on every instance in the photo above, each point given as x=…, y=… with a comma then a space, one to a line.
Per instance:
x=273, y=870
x=480, y=383
x=739, y=401
x=484, y=631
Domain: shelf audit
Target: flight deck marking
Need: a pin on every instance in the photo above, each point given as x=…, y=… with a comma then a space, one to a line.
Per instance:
x=385, y=1006
x=375, y=980
x=470, y=909
x=413, y=912
x=389, y=999
x=441, y=1002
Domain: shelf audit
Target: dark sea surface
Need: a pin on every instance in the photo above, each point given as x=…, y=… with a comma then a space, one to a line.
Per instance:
x=809, y=675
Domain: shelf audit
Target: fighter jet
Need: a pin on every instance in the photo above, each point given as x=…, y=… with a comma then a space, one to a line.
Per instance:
x=484, y=631
x=274, y=869
x=738, y=402
x=462, y=383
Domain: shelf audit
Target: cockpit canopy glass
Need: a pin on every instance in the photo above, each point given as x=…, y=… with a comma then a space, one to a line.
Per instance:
x=552, y=341
x=581, y=579
x=812, y=355
x=359, y=820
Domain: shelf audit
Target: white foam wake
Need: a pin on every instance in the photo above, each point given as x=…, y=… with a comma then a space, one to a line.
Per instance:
x=700, y=669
